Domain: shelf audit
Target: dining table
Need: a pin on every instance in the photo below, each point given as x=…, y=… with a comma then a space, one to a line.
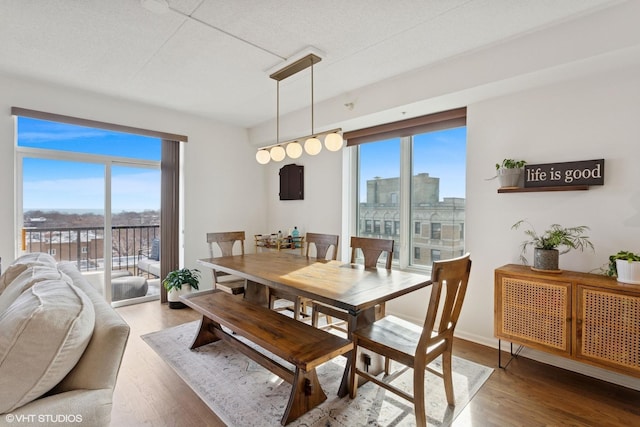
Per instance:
x=343, y=285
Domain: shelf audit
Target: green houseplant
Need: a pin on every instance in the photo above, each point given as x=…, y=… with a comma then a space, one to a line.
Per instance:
x=180, y=282
x=555, y=241
x=509, y=172
x=625, y=265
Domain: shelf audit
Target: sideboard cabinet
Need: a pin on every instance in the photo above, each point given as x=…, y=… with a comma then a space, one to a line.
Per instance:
x=586, y=317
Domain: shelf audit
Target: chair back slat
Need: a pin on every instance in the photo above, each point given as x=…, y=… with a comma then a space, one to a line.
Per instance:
x=371, y=250
x=450, y=278
x=225, y=242
x=323, y=242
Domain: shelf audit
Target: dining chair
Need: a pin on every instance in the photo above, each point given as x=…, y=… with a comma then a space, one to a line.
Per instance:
x=225, y=242
x=372, y=249
x=324, y=245
x=413, y=346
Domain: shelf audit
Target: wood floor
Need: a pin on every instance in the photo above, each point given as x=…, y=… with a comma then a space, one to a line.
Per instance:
x=528, y=393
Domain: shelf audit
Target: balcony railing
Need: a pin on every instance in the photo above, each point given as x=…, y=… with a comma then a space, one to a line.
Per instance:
x=85, y=245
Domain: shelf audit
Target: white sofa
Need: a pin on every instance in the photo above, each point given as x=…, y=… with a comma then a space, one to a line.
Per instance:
x=48, y=383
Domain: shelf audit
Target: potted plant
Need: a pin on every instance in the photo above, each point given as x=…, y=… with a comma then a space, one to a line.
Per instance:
x=180, y=282
x=509, y=172
x=625, y=266
x=555, y=241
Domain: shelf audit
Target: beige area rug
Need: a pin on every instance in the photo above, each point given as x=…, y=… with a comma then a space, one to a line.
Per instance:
x=244, y=394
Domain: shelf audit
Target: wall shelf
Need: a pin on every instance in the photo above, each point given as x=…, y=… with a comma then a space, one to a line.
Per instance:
x=536, y=189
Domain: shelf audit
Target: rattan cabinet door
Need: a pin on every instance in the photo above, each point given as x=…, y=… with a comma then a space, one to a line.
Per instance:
x=534, y=313
x=608, y=328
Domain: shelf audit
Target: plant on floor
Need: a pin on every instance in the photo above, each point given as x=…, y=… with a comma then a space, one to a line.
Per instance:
x=183, y=276
x=556, y=238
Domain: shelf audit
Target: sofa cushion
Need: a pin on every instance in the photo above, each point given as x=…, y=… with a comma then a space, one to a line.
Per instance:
x=43, y=334
x=21, y=264
x=29, y=277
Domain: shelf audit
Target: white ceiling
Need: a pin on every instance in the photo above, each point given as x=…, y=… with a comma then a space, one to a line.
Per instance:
x=213, y=57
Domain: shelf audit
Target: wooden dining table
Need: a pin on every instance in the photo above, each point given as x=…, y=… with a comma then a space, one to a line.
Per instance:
x=346, y=286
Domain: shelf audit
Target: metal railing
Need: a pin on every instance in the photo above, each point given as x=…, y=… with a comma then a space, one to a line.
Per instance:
x=85, y=245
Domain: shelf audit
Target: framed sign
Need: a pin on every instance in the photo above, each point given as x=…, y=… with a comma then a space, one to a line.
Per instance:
x=585, y=172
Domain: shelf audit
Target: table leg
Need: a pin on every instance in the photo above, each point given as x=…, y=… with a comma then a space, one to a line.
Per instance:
x=256, y=292
x=373, y=362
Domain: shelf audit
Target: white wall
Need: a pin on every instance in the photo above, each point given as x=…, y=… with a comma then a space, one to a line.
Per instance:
x=568, y=93
x=222, y=180
x=321, y=209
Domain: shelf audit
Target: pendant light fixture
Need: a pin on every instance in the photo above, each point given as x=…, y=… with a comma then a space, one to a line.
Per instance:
x=312, y=145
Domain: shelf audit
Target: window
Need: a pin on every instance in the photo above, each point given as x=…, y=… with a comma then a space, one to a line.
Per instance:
x=435, y=255
x=52, y=252
x=388, y=228
x=376, y=226
x=414, y=170
x=368, y=226
x=436, y=230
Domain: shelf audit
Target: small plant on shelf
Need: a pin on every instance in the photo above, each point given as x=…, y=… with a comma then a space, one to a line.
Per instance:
x=509, y=172
x=510, y=164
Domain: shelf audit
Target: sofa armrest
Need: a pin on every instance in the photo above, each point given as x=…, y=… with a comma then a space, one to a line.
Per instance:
x=77, y=407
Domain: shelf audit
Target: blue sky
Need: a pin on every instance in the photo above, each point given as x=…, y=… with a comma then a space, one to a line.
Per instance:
x=61, y=184
x=441, y=154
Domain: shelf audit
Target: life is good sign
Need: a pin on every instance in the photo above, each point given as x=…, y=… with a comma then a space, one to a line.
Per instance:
x=585, y=172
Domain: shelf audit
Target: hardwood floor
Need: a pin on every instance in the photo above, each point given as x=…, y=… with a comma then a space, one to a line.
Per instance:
x=528, y=393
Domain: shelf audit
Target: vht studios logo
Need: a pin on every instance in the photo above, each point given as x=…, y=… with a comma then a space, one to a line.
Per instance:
x=586, y=172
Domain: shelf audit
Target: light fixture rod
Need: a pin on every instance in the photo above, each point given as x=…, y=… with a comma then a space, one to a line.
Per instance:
x=296, y=67
x=302, y=138
x=312, y=130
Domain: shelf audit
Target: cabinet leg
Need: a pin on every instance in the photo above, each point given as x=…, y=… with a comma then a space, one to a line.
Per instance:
x=511, y=353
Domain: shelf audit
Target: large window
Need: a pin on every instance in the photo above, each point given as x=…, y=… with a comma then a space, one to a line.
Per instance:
x=413, y=173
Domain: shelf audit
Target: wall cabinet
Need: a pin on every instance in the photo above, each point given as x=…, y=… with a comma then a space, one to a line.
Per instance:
x=587, y=317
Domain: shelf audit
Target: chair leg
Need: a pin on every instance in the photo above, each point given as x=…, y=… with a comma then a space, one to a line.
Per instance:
x=296, y=309
x=446, y=376
x=418, y=395
x=353, y=379
x=314, y=316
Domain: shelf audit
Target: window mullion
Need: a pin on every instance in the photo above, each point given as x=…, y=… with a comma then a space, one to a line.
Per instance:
x=405, y=201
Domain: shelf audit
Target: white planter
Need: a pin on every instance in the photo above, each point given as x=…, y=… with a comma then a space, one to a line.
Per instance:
x=509, y=178
x=173, y=296
x=628, y=272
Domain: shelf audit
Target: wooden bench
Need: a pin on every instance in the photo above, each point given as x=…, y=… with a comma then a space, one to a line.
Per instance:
x=298, y=343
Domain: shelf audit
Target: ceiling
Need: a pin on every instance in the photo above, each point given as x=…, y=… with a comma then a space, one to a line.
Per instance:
x=213, y=58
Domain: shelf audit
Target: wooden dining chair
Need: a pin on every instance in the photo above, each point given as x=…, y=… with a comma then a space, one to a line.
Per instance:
x=371, y=249
x=413, y=346
x=324, y=245
x=225, y=242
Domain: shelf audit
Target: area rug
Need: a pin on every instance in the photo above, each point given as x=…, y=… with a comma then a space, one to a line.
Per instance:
x=244, y=394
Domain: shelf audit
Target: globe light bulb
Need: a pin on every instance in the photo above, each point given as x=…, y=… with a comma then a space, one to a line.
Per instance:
x=312, y=146
x=263, y=157
x=294, y=150
x=333, y=141
x=277, y=154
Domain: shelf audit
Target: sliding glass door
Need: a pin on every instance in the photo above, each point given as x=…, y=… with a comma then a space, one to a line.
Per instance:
x=91, y=197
